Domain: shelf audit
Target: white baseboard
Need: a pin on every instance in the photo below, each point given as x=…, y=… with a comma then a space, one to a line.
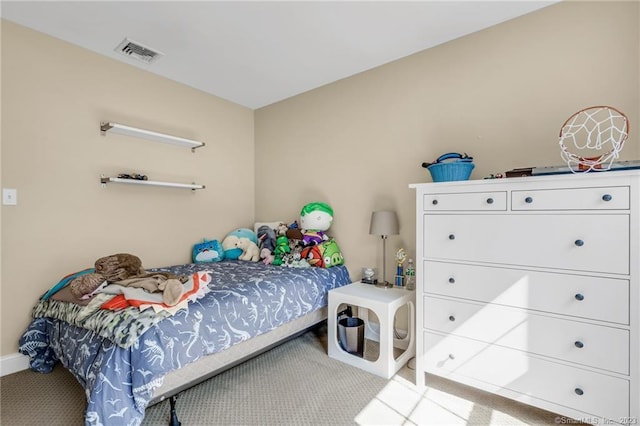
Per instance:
x=13, y=363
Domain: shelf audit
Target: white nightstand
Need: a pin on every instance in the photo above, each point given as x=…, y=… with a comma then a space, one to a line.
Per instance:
x=384, y=302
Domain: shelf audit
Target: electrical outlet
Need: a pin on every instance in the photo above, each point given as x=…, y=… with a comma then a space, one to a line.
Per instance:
x=9, y=196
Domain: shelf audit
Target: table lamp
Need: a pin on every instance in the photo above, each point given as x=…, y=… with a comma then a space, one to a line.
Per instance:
x=384, y=223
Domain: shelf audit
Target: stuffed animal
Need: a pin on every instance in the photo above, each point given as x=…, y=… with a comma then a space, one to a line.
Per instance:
x=294, y=234
x=207, y=251
x=331, y=253
x=126, y=270
x=229, y=243
x=323, y=255
x=108, y=269
x=294, y=258
x=310, y=237
x=313, y=255
x=282, y=229
x=229, y=247
x=266, y=256
x=249, y=249
x=267, y=238
x=315, y=218
x=282, y=248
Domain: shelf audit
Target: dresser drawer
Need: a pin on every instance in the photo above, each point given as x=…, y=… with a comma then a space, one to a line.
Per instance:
x=472, y=201
x=454, y=357
x=605, y=198
x=604, y=299
x=573, y=341
x=587, y=242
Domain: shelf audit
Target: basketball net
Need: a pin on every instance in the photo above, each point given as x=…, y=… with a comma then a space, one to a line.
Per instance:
x=599, y=133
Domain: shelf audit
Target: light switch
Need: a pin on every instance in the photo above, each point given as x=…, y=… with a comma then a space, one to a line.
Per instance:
x=9, y=196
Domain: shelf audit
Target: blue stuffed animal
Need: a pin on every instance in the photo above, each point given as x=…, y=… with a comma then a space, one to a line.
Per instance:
x=207, y=251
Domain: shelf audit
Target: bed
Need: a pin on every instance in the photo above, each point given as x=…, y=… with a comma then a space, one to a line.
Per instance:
x=126, y=364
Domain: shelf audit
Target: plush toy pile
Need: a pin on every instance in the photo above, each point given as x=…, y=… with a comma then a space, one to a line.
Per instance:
x=296, y=245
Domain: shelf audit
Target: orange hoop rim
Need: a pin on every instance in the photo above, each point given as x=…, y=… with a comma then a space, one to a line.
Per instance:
x=585, y=163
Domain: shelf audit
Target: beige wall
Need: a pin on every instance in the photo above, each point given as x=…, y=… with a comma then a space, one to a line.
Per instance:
x=500, y=95
x=54, y=96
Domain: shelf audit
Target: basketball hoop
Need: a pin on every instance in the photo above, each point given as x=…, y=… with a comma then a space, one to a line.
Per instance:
x=594, y=130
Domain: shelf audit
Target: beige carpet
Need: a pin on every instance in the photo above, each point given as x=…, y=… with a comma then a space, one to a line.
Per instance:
x=293, y=384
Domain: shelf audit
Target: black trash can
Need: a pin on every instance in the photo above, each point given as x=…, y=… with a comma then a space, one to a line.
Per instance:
x=351, y=335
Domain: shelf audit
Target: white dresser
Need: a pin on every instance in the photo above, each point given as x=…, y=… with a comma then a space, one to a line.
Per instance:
x=529, y=288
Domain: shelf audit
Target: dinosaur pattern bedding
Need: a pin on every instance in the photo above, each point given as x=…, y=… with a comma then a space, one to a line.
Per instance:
x=245, y=299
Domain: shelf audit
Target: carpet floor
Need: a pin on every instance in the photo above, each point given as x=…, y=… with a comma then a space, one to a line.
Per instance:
x=293, y=384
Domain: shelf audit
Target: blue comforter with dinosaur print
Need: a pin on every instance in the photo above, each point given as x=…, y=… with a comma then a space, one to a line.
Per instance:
x=246, y=299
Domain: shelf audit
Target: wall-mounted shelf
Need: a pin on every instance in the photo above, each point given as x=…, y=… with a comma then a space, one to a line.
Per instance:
x=148, y=134
x=104, y=180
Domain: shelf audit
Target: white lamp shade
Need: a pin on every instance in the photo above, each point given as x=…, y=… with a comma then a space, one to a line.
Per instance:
x=384, y=223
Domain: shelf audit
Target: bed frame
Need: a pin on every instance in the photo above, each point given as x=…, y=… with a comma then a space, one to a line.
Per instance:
x=209, y=366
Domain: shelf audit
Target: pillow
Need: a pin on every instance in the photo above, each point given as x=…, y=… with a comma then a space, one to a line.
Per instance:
x=313, y=256
x=324, y=255
x=207, y=251
x=331, y=253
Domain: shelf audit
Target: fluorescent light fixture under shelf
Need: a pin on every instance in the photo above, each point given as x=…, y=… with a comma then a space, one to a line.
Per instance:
x=106, y=179
x=148, y=134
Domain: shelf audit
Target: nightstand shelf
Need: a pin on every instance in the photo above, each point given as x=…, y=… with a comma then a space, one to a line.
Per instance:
x=384, y=302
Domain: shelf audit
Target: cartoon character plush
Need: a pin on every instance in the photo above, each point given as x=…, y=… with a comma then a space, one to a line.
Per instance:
x=231, y=251
x=207, y=251
x=315, y=218
x=331, y=253
x=324, y=255
x=282, y=248
x=249, y=249
x=310, y=238
x=313, y=255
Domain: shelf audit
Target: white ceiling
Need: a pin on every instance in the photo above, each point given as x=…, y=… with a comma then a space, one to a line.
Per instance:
x=258, y=53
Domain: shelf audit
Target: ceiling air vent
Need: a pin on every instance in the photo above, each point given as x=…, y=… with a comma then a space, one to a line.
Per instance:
x=136, y=50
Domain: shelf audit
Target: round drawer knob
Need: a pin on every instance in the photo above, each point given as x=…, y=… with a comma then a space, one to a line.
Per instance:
x=452, y=237
x=528, y=200
x=579, y=243
x=578, y=391
x=579, y=296
x=489, y=200
x=452, y=280
x=452, y=318
x=607, y=197
x=452, y=356
x=434, y=202
x=578, y=344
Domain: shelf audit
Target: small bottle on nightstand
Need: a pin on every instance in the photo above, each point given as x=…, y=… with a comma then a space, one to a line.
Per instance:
x=410, y=276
